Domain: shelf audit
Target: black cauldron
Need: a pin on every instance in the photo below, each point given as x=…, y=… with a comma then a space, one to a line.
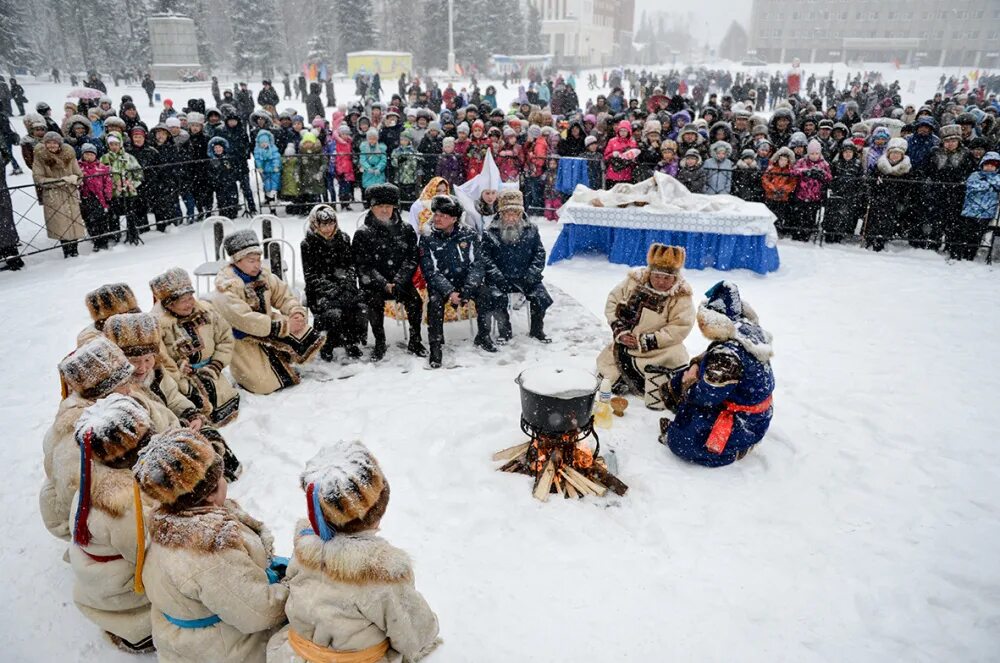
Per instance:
x=557, y=400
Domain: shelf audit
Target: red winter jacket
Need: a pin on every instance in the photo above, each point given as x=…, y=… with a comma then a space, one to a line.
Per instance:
x=96, y=182
x=813, y=178
x=344, y=166
x=619, y=145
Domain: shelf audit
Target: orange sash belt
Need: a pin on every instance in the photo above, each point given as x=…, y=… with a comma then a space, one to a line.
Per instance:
x=718, y=438
x=313, y=653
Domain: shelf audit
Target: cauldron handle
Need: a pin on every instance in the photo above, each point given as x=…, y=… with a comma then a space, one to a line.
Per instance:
x=597, y=440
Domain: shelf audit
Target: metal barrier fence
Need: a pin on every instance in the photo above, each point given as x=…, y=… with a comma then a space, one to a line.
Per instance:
x=870, y=210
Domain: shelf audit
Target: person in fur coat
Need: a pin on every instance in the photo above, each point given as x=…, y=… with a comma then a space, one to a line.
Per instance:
x=349, y=590
x=889, y=211
x=332, y=284
x=198, y=343
x=91, y=372
x=650, y=314
x=106, y=542
x=210, y=571
x=57, y=173
x=722, y=400
x=269, y=324
x=102, y=303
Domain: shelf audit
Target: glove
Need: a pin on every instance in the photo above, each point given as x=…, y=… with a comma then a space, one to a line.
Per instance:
x=276, y=569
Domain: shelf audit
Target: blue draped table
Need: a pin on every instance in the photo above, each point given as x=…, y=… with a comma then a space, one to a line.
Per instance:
x=715, y=240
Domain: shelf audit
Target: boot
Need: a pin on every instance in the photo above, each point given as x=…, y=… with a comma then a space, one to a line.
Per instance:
x=435, y=356
x=67, y=249
x=144, y=646
x=504, y=330
x=485, y=342
x=353, y=351
x=326, y=353
x=416, y=347
x=378, y=352
x=537, y=331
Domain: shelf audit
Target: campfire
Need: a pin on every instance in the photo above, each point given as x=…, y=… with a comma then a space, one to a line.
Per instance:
x=561, y=463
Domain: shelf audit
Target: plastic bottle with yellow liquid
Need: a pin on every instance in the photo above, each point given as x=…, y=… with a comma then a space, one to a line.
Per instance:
x=603, y=416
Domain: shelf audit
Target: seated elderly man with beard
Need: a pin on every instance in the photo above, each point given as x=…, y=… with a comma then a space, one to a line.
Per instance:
x=269, y=324
x=651, y=312
x=138, y=336
x=515, y=251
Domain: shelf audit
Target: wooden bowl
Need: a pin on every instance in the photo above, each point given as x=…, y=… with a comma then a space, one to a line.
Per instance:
x=618, y=405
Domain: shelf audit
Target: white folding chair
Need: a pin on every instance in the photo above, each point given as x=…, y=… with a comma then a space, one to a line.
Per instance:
x=214, y=259
x=257, y=225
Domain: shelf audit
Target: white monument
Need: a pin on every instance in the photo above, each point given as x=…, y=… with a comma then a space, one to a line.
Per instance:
x=174, y=44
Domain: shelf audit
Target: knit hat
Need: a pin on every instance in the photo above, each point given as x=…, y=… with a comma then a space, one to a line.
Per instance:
x=318, y=123
x=462, y=128
x=448, y=140
x=589, y=140
x=448, y=205
x=534, y=131
x=747, y=153
x=178, y=468
x=137, y=334
x=510, y=199
x=898, y=144
x=344, y=129
x=242, y=243
x=814, y=147
x=172, y=122
x=434, y=125
x=88, y=147
x=346, y=491
x=651, y=126
x=383, y=194
x=798, y=139
x=407, y=134
x=114, y=137
x=663, y=258
x=507, y=132
x=95, y=369
x=372, y=133
x=881, y=133
x=946, y=132
x=56, y=137
x=109, y=299
x=759, y=129
x=724, y=297
x=171, y=285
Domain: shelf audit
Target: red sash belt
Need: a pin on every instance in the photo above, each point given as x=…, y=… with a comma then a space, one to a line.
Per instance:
x=718, y=438
x=101, y=558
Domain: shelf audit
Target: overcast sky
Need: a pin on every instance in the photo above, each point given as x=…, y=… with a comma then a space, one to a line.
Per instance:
x=709, y=19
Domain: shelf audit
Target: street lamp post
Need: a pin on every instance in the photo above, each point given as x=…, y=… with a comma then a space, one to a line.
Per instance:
x=451, y=37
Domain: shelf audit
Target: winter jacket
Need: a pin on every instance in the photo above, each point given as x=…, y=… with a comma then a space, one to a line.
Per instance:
x=735, y=368
x=813, y=177
x=344, y=166
x=450, y=167
x=692, y=178
x=328, y=265
x=225, y=175
x=718, y=175
x=207, y=561
x=167, y=407
x=891, y=207
x=619, y=169
x=311, y=169
x=351, y=593
x=372, y=163
x=950, y=170
x=61, y=465
x=746, y=182
x=258, y=309
x=406, y=163
x=510, y=162
x=104, y=590
x=239, y=144
x=982, y=195
x=453, y=262
x=668, y=167
x=385, y=254
x=60, y=198
x=518, y=265
x=660, y=329
x=536, y=153
x=780, y=183
x=96, y=182
x=203, y=344
x=573, y=145
x=265, y=153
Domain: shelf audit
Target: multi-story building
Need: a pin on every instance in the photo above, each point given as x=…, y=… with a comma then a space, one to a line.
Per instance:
x=587, y=32
x=924, y=32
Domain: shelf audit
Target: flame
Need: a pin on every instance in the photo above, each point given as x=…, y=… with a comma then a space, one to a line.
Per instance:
x=583, y=457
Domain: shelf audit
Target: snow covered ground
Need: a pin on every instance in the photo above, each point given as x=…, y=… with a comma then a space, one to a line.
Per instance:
x=864, y=527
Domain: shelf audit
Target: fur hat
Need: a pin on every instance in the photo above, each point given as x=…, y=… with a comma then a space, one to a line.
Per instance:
x=651, y=127
x=946, y=132
x=56, y=137
x=462, y=128
x=663, y=258
x=137, y=334
x=510, y=199
x=178, y=468
x=108, y=300
x=798, y=139
x=383, y=194
x=899, y=144
x=446, y=205
x=171, y=285
x=119, y=426
x=96, y=369
x=448, y=140
x=589, y=140
x=242, y=243
x=345, y=489
x=721, y=145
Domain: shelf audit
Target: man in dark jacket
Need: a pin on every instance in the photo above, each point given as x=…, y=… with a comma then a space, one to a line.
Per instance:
x=386, y=258
x=148, y=85
x=233, y=130
x=244, y=102
x=149, y=159
x=314, y=104
x=517, y=258
x=454, y=267
x=267, y=96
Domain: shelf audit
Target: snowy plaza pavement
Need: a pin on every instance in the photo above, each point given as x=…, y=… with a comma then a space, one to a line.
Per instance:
x=864, y=527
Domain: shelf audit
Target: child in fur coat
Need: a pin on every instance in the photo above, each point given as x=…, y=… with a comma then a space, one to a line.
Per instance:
x=349, y=589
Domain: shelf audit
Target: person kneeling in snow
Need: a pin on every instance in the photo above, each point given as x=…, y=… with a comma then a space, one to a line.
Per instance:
x=271, y=327
x=350, y=593
x=650, y=313
x=106, y=530
x=514, y=248
x=198, y=343
x=102, y=303
x=723, y=399
x=332, y=284
x=210, y=574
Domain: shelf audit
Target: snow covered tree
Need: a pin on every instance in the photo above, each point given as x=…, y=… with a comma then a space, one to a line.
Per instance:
x=16, y=49
x=431, y=52
x=506, y=33
x=317, y=51
x=474, y=20
x=534, y=44
x=136, y=38
x=356, y=32
x=254, y=45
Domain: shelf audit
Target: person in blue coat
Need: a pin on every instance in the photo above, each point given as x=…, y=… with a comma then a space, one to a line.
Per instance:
x=268, y=161
x=722, y=399
x=454, y=266
x=982, y=198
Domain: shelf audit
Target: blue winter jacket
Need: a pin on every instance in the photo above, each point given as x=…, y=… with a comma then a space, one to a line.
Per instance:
x=735, y=368
x=453, y=263
x=982, y=192
x=267, y=159
x=718, y=175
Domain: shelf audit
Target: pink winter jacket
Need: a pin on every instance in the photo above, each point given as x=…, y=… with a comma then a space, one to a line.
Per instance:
x=813, y=178
x=96, y=182
x=620, y=145
x=344, y=160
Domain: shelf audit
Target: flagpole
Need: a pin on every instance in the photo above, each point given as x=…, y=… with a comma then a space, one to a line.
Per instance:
x=451, y=37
